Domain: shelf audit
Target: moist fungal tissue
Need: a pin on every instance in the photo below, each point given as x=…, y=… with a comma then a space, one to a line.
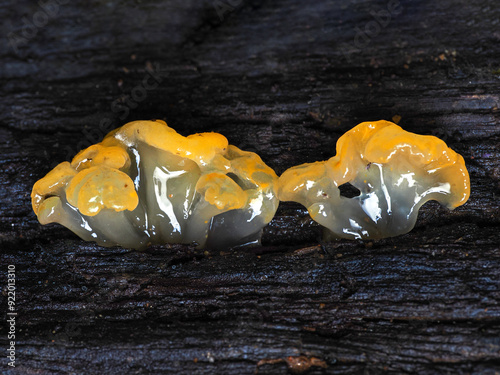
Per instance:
x=146, y=184
x=395, y=171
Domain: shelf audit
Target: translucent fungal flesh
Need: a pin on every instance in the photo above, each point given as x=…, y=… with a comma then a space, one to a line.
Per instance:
x=395, y=171
x=146, y=184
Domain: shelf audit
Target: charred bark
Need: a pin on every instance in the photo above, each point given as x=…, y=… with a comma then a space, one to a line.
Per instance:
x=284, y=79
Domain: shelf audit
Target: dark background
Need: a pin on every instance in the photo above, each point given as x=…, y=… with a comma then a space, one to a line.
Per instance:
x=285, y=79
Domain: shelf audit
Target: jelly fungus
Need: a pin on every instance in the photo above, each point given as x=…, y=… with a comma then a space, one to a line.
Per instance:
x=146, y=184
x=391, y=173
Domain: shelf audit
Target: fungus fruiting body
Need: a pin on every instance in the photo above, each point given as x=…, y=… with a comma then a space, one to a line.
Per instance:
x=395, y=171
x=146, y=184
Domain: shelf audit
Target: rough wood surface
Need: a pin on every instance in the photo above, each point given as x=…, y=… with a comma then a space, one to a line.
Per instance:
x=284, y=79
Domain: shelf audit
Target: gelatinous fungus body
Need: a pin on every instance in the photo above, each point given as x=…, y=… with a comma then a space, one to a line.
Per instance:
x=146, y=184
x=393, y=172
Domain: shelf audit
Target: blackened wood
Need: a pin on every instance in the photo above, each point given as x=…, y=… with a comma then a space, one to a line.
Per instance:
x=284, y=79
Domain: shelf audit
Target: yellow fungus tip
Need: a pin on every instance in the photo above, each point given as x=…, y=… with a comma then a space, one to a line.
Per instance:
x=201, y=147
x=101, y=187
x=221, y=191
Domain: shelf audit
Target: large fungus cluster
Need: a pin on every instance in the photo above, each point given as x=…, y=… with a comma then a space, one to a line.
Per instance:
x=146, y=184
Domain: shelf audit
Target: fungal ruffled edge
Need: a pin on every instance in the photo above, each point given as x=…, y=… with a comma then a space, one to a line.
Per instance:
x=146, y=184
x=395, y=171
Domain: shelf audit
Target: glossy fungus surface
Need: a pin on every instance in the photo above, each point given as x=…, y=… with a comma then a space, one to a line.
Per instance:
x=391, y=173
x=146, y=184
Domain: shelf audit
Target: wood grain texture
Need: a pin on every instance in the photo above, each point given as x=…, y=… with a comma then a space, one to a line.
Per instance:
x=285, y=79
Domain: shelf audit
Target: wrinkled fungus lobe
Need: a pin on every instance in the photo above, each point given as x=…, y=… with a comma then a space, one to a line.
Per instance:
x=395, y=171
x=146, y=184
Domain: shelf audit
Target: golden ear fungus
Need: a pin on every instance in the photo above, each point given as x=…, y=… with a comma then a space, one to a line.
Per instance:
x=146, y=184
x=395, y=171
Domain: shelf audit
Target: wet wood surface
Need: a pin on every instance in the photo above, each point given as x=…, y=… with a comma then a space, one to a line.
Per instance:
x=284, y=79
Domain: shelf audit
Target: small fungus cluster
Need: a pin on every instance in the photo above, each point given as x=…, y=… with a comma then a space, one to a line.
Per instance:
x=395, y=171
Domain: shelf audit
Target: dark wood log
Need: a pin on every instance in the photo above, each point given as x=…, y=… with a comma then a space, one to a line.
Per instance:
x=284, y=79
